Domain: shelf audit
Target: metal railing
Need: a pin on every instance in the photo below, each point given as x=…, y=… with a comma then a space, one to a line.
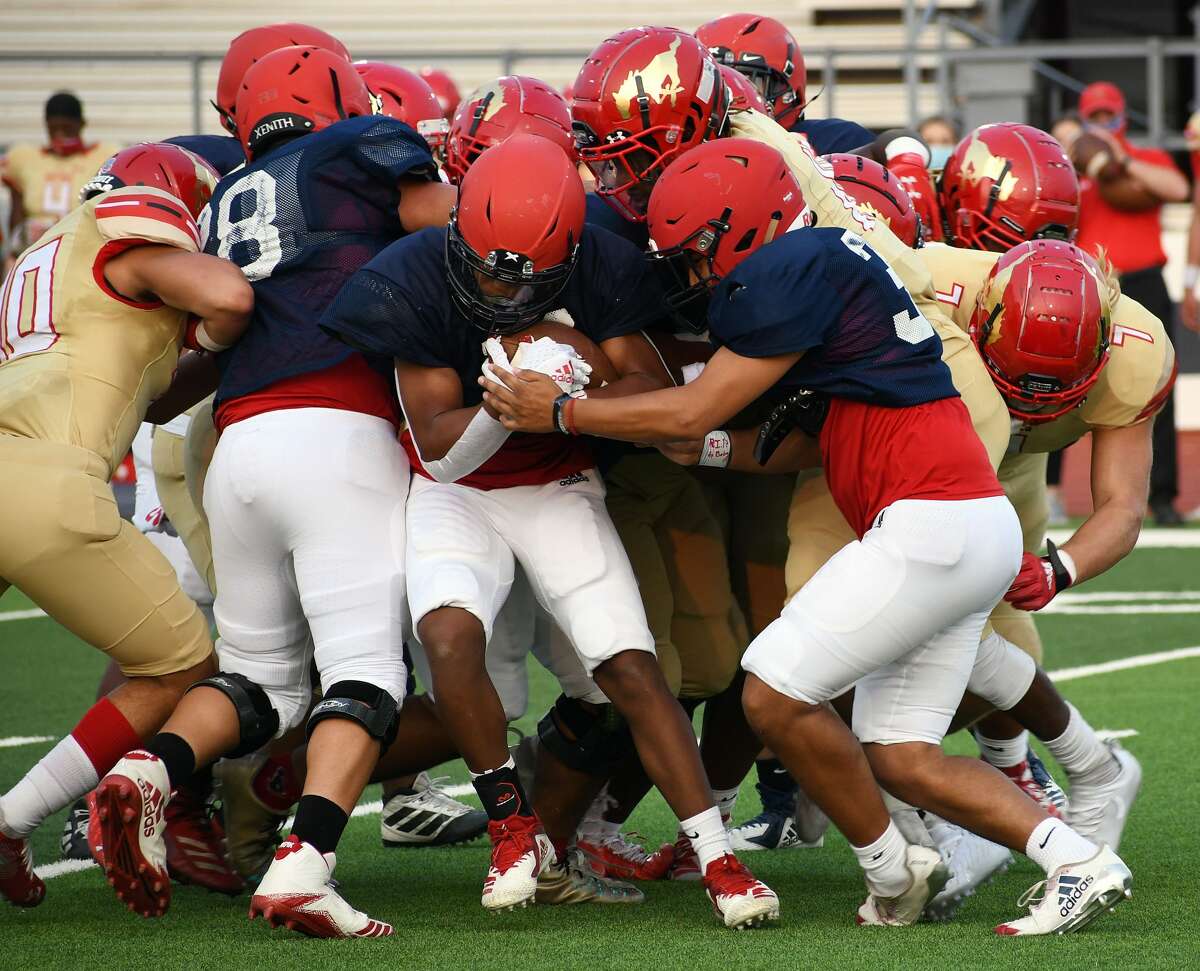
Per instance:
x=1152, y=51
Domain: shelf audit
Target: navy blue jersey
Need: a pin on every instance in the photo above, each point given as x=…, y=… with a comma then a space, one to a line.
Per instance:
x=399, y=304
x=826, y=293
x=829, y=135
x=299, y=222
x=600, y=213
x=223, y=152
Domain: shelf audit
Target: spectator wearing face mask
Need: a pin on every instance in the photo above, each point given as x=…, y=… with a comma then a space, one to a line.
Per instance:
x=45, y=179
x=941, y=135
x=1122, y=192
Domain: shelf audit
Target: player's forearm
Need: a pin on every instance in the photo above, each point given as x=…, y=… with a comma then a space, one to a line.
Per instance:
x=1165, y=182
x=637, y=382
x=195, y=379
x=1106, y=537
x=667, y=415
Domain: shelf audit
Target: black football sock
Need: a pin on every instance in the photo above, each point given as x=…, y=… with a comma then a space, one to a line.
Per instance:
x=501, y=793
x=175, y=754
x=319, y=822
x=773, y=775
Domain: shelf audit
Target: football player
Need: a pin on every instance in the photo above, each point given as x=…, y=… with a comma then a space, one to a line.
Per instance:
x=444, y=87
x=305, y=495
x=90, y=330
x=45, y=179
x=517, y=251
x=764, y=51
x=898, y=612
x=407, y=97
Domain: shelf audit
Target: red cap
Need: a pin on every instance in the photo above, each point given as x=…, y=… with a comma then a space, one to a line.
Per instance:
x=1101, y=96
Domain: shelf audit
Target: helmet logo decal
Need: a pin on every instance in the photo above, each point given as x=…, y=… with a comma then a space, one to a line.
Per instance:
x=979, y=164
x=659, y=81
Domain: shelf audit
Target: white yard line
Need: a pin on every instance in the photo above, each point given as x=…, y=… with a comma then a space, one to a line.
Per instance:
x=1107, y=733
x=1087, y=596
x=51, y=870
x=14, y=740
x=23, y=614
x=1056, y=608
x=1150, y=539
x=1124, y=664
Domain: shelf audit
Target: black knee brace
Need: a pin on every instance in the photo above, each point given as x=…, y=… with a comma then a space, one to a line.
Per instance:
x=372, y=707
x=258, y=721
x=588, y=741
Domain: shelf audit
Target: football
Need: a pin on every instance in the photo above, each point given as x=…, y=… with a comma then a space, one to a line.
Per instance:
x=1092, y=155
x=603, y=371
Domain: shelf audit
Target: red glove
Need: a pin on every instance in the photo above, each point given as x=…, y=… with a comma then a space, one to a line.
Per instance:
x=909, y=169
x=1040, y=579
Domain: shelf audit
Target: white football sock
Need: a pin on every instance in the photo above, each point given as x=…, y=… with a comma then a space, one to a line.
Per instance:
x=510, y=764
x=1003, y=753
x=708, y=836
x=885, y=863
x=61, y=777
x=1053, y=844
x=726, y=800
x=1081, y=753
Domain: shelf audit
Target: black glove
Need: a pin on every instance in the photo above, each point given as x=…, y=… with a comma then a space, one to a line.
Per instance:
x=805, y=410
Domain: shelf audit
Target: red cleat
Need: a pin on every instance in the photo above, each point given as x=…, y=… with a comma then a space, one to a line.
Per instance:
x=19, y=885
x=129, y=804
x=619, y=859
x=738, y=898
x=196, y=845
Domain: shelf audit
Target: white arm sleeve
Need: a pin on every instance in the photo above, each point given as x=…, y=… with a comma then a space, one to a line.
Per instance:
x=480, y=440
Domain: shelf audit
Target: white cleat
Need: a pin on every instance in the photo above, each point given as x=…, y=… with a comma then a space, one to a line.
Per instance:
x=738, y=898
x=929, y=874
x=521, y=851
x=1099, y=812
x=1073, y=896
x=128, y=823
x=426, y=816
x=297, y=893
x=972, y=861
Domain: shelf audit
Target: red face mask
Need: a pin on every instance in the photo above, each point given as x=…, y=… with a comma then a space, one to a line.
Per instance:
x=60, y=145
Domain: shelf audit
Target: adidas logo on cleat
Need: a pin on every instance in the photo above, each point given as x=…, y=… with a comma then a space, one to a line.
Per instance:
x=1070, y=891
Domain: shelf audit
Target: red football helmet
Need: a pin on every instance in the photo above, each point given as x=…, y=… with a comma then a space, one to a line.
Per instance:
x=514, y=236
x=184, y=174
x=713, y=207
x=641, y=98
x=1005, y=184
x=871, y=185
x=743, y=95
x=444, y=87
x=1041, y=324
x=251, y=45
x=403, y=95
x=297, y=91
x=505, y=107
x=764, y=51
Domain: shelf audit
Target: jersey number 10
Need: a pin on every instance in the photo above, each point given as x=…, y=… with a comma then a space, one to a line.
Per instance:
x=27, y=306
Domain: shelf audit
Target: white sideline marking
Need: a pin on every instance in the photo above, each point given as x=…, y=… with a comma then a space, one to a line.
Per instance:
x=1052, y=608
x=1123, y=664
x=1070, y=596
x=1150, y=539
x=15, y=740
x=23, y=614
x=51, y=870
x=1106, y=733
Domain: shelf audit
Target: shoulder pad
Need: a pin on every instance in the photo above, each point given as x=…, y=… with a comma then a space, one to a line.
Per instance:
x=142, y=212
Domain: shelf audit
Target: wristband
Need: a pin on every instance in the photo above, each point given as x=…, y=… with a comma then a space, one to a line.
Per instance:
x=717, y=450
x=568, y=415
x=205, y=341
x=1191, y=276
x=559, y=420
x=1062, y=564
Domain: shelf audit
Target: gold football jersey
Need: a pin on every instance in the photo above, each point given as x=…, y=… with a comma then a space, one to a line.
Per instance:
x=1132, y=386
x=834, y=207
x=79, y=363
x=49, y=184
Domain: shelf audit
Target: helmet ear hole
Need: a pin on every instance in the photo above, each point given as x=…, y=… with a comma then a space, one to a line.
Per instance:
x=746, y=241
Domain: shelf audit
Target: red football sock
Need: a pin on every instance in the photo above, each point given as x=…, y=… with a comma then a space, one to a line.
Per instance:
x=105, y=735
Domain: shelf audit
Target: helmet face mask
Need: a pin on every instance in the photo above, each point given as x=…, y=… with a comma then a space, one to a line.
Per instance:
x=689, y=275
x=500, y=292
x=626, y=170
x=764, y=51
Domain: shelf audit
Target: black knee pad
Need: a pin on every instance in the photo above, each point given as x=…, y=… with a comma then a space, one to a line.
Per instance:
x=258, y=721
x=372, y=707
x=595, y=742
